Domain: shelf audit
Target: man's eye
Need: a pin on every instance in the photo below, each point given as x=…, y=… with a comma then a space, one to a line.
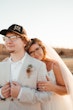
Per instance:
x=37, y=48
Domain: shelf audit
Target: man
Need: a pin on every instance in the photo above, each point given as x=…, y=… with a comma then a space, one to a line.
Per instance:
x=21, y=92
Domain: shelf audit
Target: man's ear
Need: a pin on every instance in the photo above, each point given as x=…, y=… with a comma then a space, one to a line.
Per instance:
x=24, y=42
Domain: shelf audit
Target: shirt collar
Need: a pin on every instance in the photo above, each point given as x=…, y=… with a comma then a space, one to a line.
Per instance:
x=20, y=61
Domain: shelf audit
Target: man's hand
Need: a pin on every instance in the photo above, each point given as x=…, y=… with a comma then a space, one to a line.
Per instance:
x=5, y=91
x=15, y=89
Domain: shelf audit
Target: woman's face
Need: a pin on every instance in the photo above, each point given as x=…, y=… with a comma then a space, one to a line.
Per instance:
x=36, y=51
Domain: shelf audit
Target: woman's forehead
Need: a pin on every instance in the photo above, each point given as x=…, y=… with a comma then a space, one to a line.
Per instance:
x=35, y=45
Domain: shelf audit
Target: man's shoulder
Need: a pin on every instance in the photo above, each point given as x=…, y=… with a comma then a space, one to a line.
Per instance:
x=35, y=61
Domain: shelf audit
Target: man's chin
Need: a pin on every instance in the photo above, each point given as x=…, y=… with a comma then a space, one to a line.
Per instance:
x=11, y=51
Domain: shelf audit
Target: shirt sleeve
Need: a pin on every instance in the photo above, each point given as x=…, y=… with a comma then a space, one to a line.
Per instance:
x=19, y=94
x=1, y=94
x=28, y=95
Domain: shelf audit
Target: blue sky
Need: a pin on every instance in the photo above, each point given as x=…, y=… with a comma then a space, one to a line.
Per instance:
x=49, y=20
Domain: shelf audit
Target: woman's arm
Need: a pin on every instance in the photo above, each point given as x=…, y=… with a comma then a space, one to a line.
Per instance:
x=59, y=87
x=58, y=74
x=50, y=86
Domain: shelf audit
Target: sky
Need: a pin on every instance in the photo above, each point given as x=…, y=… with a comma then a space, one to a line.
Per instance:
x=49, y=20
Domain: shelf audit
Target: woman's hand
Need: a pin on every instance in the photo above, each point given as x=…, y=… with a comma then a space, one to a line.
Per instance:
x=45, y=85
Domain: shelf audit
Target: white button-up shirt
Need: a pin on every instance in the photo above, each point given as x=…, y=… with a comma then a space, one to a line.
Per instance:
x=15, y=68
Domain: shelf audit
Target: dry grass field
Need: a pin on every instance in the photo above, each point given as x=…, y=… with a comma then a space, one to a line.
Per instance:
x=67, y=56
x=69, y=62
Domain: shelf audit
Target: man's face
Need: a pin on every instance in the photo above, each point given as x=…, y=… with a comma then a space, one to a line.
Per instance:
x=14, y=43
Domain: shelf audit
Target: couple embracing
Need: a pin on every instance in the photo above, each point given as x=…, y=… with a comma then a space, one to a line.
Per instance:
x=37, y=80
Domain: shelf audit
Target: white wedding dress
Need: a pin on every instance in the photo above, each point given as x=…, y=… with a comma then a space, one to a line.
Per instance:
x=57, y=102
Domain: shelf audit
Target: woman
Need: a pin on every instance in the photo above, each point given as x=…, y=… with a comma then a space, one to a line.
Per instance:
x=56, y=71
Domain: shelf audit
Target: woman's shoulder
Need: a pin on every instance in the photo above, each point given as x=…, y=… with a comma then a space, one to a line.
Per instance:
x=50, y=63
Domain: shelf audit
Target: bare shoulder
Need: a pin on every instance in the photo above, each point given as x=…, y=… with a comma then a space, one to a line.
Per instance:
x=50, y=63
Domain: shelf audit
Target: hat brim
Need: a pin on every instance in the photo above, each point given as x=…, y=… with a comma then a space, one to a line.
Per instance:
x=5, y=31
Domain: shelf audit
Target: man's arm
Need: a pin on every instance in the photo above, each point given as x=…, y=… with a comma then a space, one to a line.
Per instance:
x=30, y=95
